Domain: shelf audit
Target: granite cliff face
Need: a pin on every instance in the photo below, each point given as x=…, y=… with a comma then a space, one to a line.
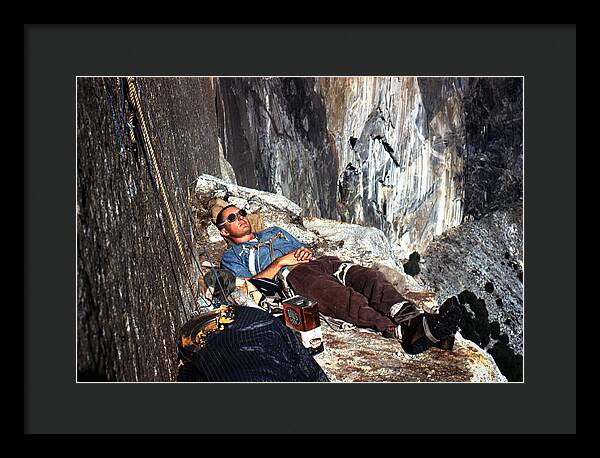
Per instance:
x=273, y=132
x=480, y=265
x=494, y=145
x=410, y=156
x=133, y=288
x=399, y=169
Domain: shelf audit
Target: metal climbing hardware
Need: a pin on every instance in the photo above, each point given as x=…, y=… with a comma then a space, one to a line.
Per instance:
x=254, y=250
x=193, y=334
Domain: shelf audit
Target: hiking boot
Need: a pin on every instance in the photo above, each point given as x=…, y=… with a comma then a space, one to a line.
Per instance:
x=428, y=330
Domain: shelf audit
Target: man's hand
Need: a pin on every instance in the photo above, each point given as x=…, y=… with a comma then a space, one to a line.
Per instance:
x=303, y=254
x=299, y=255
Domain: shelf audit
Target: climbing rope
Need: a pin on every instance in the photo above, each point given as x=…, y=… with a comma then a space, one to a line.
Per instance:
x=135, y=102
x=337, y=324
x=189, y=214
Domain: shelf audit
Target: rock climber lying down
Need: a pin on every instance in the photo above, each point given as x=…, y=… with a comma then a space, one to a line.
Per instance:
x=356, y=294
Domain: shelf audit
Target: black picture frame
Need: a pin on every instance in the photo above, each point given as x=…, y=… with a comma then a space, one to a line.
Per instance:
x=54, y=55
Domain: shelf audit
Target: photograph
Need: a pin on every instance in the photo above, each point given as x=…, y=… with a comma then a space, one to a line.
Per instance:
x=329, y=229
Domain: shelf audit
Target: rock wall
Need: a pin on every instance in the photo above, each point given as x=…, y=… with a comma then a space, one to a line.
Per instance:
x=494, y=145
x=480, y=265
x=400, y=159
x=133, y=288
x=274, y=135
x=410, y=156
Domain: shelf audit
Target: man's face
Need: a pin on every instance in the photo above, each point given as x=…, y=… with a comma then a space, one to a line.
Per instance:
x=239, y=228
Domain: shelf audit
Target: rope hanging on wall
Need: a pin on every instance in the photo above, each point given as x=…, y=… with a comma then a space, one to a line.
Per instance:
x=134, y=100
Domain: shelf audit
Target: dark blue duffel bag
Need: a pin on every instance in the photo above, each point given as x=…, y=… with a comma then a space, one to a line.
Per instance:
x=243, y=344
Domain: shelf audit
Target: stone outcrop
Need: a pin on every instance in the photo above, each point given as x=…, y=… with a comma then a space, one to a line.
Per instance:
x=480, y=264
x=354, y=354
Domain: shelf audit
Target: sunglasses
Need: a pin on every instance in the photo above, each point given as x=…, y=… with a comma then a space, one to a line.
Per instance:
x=233, y=216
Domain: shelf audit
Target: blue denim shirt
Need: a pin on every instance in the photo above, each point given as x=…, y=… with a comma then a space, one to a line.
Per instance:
x=268, y=246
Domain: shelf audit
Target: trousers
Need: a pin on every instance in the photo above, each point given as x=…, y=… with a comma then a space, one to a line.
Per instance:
x=365, y=299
